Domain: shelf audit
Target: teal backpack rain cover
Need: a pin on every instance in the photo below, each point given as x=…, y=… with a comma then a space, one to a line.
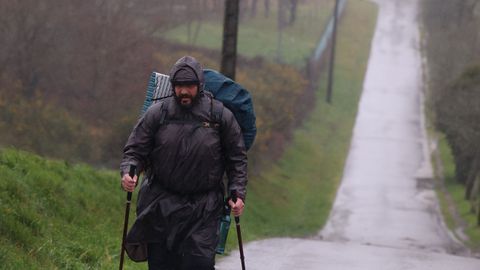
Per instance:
x=233, y=96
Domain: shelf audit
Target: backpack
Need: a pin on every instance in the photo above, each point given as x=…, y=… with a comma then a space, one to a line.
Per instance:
x=233, y=96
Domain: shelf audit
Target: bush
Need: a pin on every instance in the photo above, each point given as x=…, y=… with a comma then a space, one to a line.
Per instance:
x=38, y=126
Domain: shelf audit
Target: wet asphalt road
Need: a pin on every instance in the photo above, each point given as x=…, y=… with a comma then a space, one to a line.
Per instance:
x=386, y=212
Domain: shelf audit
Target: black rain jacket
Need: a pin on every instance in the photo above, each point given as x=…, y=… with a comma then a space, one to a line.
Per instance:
x=181, y=197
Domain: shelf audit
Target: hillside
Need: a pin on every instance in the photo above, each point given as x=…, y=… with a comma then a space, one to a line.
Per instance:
x=56, y=215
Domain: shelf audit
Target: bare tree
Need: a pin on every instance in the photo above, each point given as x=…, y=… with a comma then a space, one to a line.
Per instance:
x=253, y=9
x=194, y=18
x=25, y=41
x=267, y=8
x=281, y=24
x=293, y=11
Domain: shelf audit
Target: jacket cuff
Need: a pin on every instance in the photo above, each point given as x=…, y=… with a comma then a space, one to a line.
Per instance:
x=125, y=167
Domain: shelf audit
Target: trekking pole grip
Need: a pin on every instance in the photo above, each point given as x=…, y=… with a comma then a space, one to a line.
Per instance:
x=234, y=200
x=131, y=172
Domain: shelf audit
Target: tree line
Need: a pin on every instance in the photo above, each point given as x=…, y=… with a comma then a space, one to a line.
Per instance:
x=73, y=73
x=452, y=48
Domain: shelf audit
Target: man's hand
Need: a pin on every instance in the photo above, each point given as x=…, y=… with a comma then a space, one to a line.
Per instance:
x=129, y=183
x=237, y=208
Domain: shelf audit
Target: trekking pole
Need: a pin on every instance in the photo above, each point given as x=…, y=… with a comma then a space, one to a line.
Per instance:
x=131, y=172
x=239, y=234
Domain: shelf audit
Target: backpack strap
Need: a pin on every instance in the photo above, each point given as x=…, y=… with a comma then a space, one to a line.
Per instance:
x=163, y=114
x=216, y=112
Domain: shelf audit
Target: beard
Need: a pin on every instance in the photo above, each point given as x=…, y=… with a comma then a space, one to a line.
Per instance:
x=185, y=100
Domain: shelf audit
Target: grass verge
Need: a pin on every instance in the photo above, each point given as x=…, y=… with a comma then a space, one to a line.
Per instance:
x=456, y=210
x=55, y=215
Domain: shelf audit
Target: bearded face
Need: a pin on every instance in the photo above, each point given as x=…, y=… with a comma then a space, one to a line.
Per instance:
x=185, y=94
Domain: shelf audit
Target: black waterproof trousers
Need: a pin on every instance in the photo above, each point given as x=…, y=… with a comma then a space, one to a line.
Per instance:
x=159, y=258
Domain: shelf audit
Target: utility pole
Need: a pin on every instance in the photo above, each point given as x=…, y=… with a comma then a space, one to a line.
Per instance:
x=230, y=33
x=332, y=53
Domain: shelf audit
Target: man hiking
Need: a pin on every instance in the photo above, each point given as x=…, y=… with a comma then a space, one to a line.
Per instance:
x=184, y=144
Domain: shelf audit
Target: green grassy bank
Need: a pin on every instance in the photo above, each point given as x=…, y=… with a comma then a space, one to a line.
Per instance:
x=55, y=215
x=452, y=198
